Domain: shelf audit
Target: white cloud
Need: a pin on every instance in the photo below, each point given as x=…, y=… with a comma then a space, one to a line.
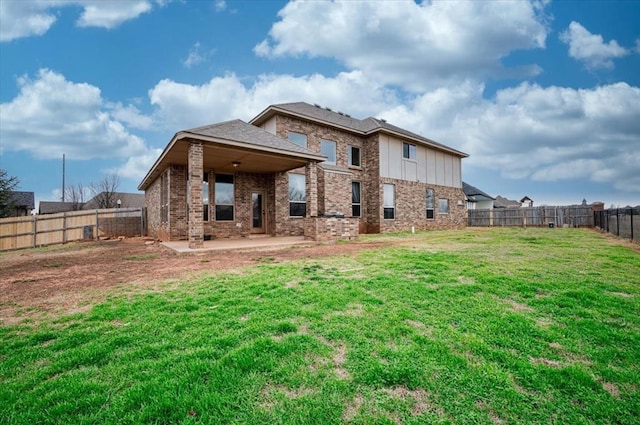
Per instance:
x=111, y=13
x=51, y=116
x=220, y=5
x=197, y=56
x=591, y=48
x=551, y=134
x=34, y=17
x=416, y=46
x=543, y=134
x=180, y=105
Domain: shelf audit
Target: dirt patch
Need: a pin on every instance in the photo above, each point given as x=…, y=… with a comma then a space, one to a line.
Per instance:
x=65, y=279
x=612, y=389
x=547, y=362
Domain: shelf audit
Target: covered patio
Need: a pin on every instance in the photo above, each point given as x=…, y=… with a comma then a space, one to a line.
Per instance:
x=256, y=163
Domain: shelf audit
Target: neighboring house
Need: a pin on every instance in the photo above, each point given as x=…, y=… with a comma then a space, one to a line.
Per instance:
x=501, y=202
x=55, y=207
x=127, y=200
x=22, y=203
x=299, y=169
x=526, y=202
x=115, y=200
x=476, y=199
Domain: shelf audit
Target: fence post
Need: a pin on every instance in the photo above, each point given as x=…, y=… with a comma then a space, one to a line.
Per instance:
x=35, y=230
x=631, y=224
x=97, y=227
x=64, y=227
x=617, y=221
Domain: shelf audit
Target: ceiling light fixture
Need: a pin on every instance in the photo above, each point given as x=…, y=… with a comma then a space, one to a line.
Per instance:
x=235, y=164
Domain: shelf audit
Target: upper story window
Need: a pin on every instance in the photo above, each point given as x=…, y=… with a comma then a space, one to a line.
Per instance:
x=297, y=195
x=328, y=149
x=298, y=138
x=354, y=156
x=408, y=151
x=224, y=197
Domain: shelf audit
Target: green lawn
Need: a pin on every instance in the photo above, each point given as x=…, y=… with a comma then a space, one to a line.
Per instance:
x=474, y=326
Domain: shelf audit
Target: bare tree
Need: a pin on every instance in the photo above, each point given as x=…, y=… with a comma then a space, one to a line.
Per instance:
x=105, y=191
x=75, y=194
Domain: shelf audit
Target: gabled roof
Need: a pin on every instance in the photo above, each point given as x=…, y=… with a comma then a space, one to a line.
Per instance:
x=22, y=199
x=501, y=202
x=364, y=127
x=127, y=200
x=240, y=131
x=475, y=194
x=233, y=141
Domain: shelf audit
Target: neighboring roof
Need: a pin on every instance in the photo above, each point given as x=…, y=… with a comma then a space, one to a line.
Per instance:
x=501, y=202
x=525, y=199
x=363, y=127
x=53, y=207
x=474, y=194
x=240, y=131
x=128, y=200
x=22, y=199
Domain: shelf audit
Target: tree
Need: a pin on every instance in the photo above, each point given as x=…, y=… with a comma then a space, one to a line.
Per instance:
x=75, y=194
x=7, y=186
x=105, y=192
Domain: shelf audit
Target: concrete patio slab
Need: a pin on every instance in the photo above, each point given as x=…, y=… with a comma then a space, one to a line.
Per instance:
x=245, y=244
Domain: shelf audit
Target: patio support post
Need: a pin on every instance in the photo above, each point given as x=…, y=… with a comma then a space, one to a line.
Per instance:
x=196, y=226
x=311, y=171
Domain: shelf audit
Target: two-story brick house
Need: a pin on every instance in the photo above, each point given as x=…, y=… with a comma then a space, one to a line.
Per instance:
x=299, y=169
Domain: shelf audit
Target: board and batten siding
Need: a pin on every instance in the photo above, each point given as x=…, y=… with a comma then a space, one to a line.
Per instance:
x=430, y=166
x=270, y=125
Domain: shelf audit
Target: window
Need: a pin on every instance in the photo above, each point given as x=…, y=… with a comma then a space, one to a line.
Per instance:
x=205, y=196
x=408, y=151
x=298, y=138
x=297, y=195
x=354, y=156
x=328, y=149
x=224, y=197
x=443, y=206
x=389, y=201
x=164, y=197
x=355, y=199
x=430, y=204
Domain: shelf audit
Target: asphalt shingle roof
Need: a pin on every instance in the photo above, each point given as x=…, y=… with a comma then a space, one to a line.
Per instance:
x=22, y=199
x=240, y=131
x=365, y=126
x=472, y=191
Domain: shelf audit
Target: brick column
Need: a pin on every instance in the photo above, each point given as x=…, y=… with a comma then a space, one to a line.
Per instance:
x=311, y=174
x=196, y=226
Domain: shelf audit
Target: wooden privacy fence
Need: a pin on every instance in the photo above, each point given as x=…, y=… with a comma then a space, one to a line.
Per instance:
x=623, y=222
x=573, y=216
x=50, y=229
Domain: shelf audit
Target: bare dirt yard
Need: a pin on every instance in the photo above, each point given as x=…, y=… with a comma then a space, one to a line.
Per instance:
x=65, y=279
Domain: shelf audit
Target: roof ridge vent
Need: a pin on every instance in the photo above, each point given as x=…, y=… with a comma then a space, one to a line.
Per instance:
x=328, y=109
x=317, y=106
x=340, y=113
x=383, y=120
x=347, y=115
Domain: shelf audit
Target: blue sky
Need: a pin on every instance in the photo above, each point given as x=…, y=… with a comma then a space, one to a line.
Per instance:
x=544, y=96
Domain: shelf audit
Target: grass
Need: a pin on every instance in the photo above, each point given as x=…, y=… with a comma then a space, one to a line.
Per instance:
x=141, y=257
x=496, y=326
